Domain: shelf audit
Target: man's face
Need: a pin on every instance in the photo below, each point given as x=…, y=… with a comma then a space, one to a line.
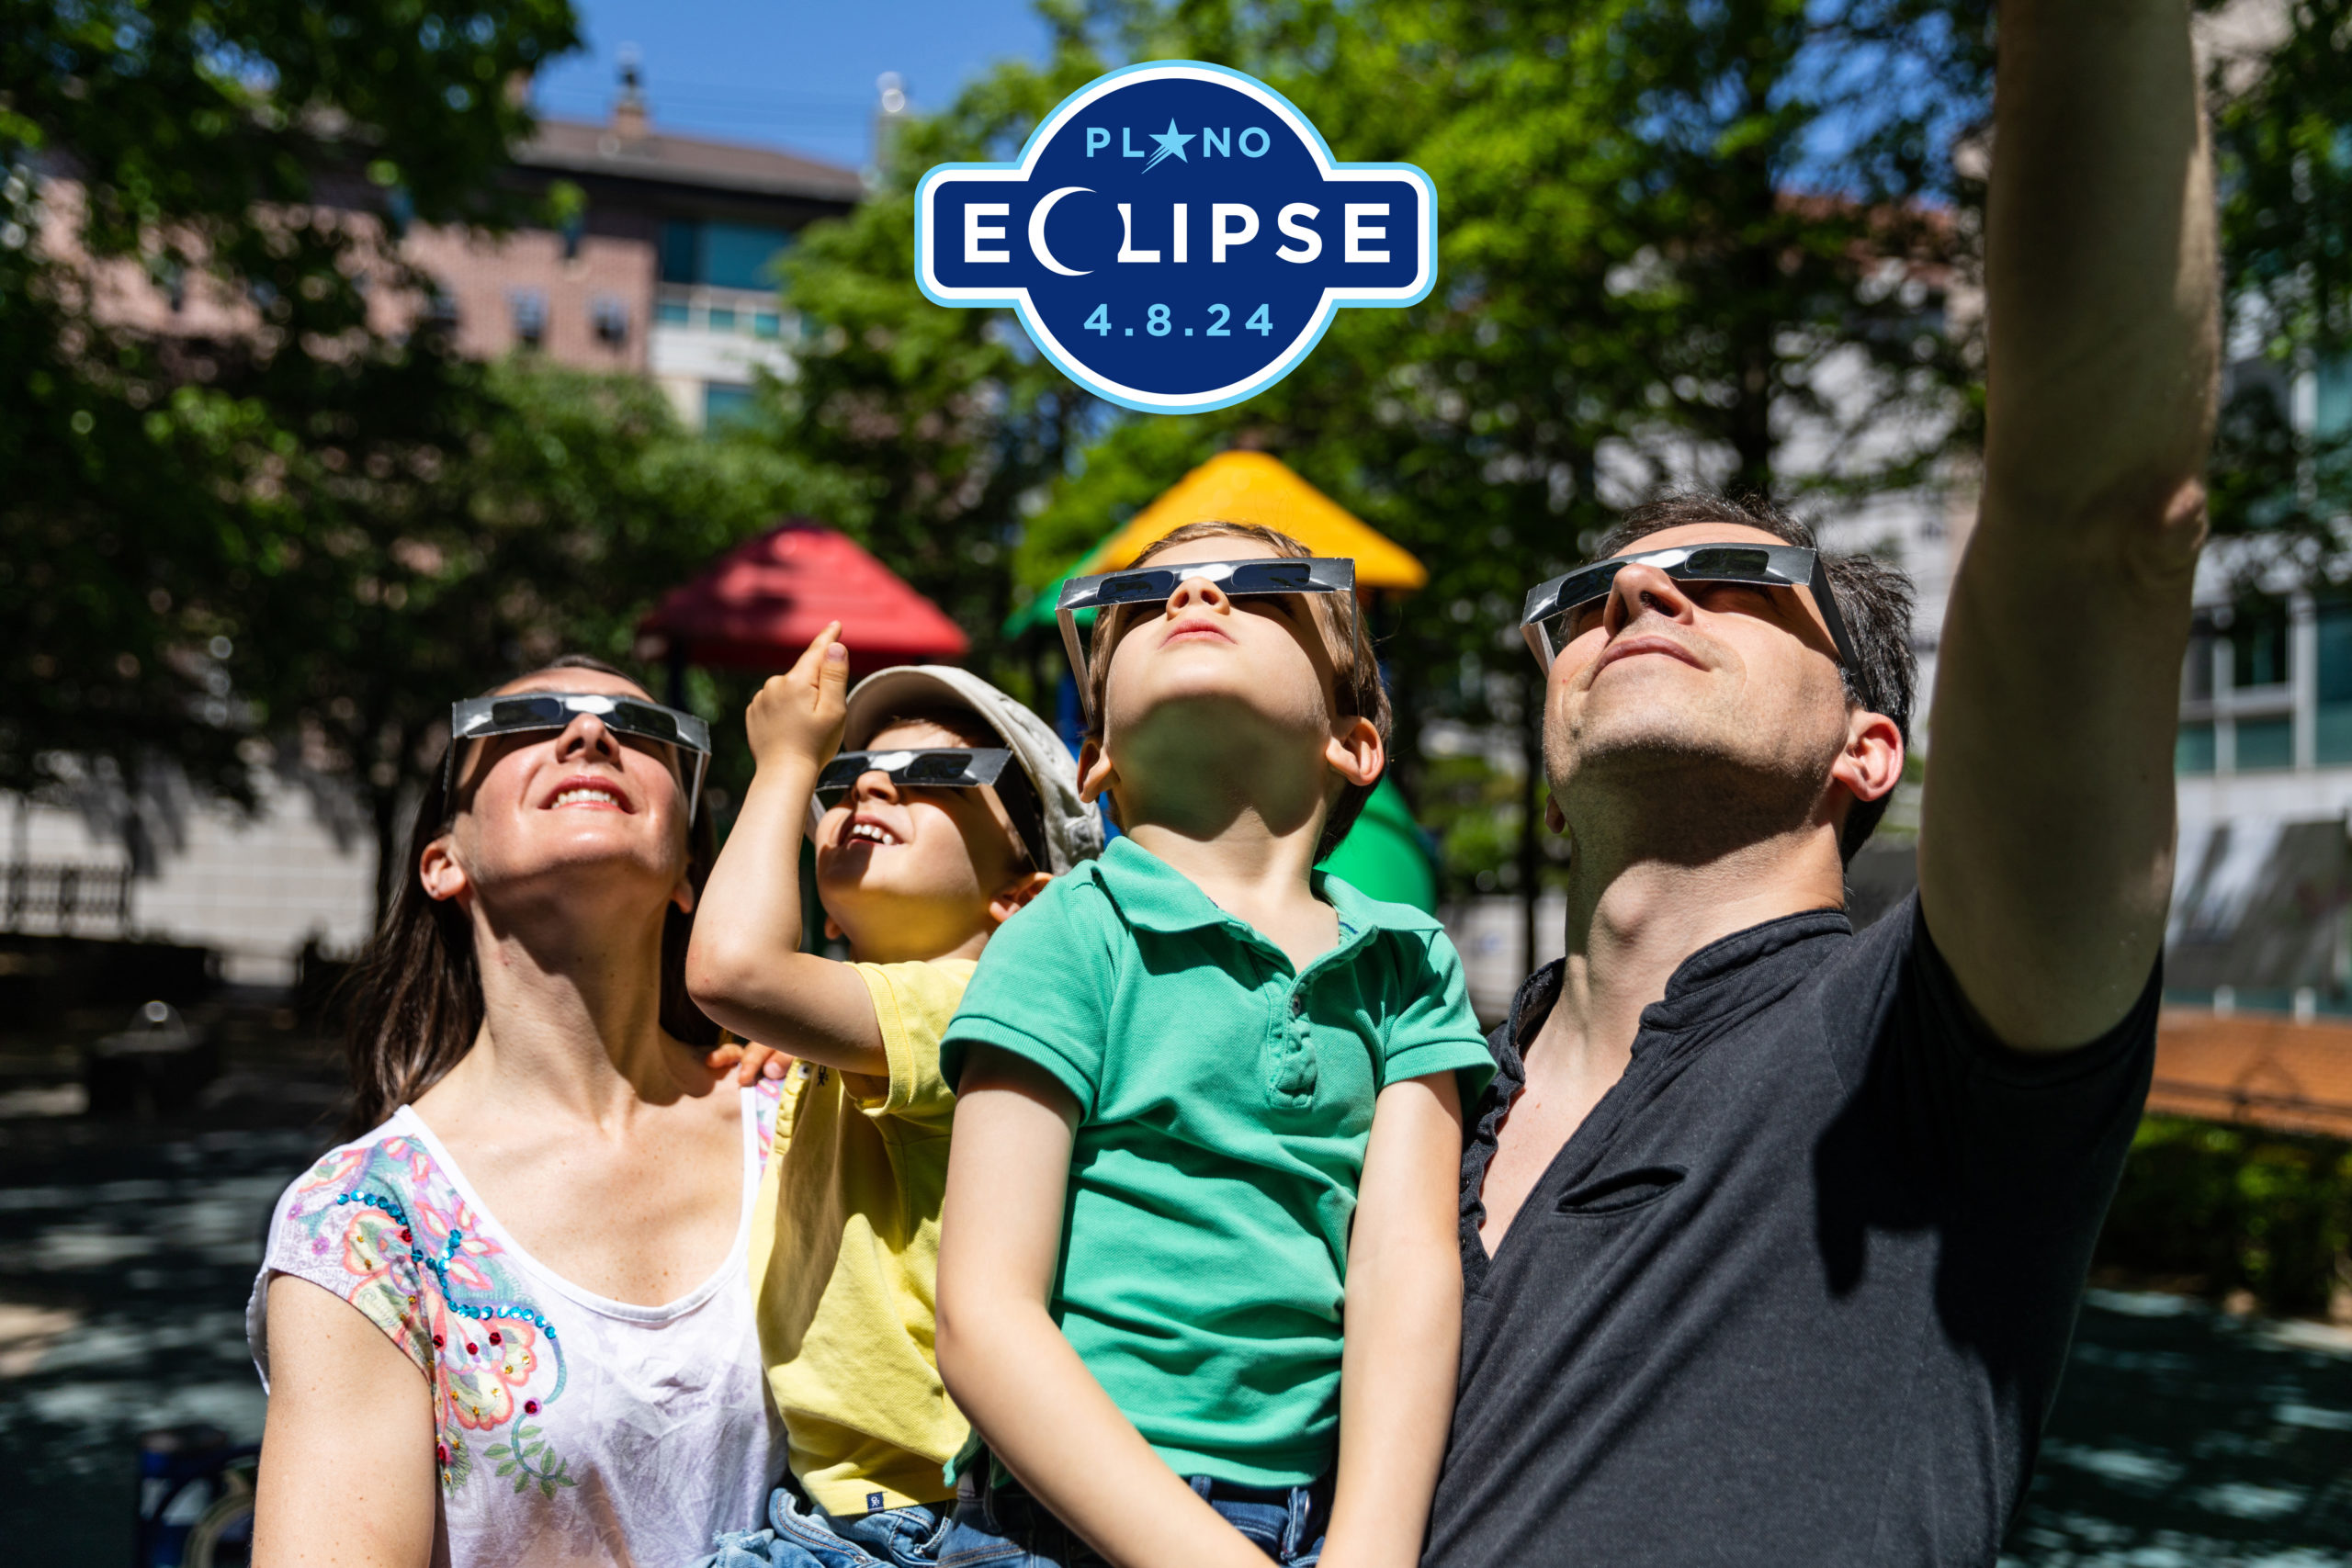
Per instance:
x=1729, y=691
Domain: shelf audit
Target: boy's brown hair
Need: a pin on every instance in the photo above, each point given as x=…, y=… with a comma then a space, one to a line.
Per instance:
x=1356, y=687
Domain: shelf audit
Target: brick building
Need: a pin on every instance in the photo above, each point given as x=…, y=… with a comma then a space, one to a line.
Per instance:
x=668, y=270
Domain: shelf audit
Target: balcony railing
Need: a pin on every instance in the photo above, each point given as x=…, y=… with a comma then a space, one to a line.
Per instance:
x=63, y=898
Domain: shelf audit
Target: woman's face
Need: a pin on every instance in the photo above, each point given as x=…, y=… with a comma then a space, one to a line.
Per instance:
x=538, y=810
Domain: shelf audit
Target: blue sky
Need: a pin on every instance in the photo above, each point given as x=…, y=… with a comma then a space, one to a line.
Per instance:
x=785, y=72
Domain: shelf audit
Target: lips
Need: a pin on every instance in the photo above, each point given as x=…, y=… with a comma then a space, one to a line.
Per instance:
x=588, y=794
x=1186, y=630
x=1629, y=646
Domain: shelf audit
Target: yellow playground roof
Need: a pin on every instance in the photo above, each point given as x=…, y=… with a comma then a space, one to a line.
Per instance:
x=1254, y=487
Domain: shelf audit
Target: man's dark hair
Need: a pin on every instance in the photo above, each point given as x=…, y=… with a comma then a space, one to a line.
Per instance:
x=1874, y=598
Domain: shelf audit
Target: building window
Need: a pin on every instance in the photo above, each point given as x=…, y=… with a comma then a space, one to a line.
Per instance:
x=2333, y=742
x=2265, y=744
x=609, y=315
x=724, y=404
x=2333, y=415
x=2192, y=751
x=766, y=323
x=2258, y=645
x=529, y=307
x=721, y=317
x=722, y=255
x=673, y=313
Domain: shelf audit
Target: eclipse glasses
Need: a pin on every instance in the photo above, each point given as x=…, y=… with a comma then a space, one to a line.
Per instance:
x=1548, y=620
x=1154, y=584
x=479, y=719
x=945, y=767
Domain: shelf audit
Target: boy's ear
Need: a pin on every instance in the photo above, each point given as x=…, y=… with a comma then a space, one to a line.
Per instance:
x=1356, y=753
x=832, y=929
x=1095, y=771
x=1016, y=893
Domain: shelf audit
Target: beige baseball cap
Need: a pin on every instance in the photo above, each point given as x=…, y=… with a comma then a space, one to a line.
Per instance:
x=1073, y=831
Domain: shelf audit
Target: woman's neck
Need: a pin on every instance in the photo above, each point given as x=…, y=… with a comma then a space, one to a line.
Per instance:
x=571, y=1016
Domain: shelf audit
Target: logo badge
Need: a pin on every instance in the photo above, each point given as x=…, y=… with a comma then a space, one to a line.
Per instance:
x=1176, y=236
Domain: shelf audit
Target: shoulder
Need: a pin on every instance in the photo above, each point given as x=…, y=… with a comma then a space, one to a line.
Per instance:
x=353, y=1223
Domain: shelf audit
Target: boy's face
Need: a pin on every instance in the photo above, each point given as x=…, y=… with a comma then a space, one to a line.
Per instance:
x=912, y=872
x=1204, y=656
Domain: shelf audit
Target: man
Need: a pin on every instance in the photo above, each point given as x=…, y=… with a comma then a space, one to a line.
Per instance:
x=1773, y=1233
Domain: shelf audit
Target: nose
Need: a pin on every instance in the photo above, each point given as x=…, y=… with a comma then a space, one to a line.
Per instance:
x=1641, y=589
x=875, y=786
x=1197, y=591
x=586, y=736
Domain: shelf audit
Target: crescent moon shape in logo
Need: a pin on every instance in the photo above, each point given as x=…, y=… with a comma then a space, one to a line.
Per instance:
x=1037, y=230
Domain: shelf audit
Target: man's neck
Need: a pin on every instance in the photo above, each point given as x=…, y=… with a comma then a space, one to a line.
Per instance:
x=1635, y=918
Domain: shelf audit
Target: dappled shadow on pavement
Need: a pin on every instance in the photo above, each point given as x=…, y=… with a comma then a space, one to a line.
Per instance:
x=2184, y=1437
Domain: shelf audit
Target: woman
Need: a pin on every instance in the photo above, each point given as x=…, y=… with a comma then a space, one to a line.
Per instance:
x=509, y=1323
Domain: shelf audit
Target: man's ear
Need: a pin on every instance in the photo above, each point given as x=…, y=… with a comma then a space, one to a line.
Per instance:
x=1872, y=763
x=1010, y=897
x=1095, y=769
x=1356, y=753
x=1554, y=818
x=438, y=871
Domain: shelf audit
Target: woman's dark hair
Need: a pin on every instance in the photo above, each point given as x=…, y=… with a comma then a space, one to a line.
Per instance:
x=415, y=994
x=1874, y=598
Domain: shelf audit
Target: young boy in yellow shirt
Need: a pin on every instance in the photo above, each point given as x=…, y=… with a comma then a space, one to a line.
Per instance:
x=951, y=809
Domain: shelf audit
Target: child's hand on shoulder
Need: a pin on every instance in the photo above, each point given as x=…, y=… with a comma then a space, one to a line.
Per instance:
x=798, y=716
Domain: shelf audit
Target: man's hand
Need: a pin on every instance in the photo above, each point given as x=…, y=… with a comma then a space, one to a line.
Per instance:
x=798, y=716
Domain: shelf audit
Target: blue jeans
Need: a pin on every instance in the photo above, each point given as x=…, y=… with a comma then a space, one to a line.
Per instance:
x=1006, y=1527
x=802, y=1535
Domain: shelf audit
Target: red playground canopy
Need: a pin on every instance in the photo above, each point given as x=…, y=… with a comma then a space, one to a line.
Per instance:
x=758, y=605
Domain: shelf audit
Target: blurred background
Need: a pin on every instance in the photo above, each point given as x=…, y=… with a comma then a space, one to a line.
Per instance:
x=354, y=357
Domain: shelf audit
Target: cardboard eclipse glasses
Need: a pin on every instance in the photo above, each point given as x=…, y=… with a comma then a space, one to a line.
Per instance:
x=479, y=719
x=1154, y=585
x=1552, y=606
x=944, y=767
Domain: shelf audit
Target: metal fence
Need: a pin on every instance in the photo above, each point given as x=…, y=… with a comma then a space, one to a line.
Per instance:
x=64, y=899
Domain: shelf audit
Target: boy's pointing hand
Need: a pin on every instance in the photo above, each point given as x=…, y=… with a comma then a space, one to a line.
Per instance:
x=798, y=716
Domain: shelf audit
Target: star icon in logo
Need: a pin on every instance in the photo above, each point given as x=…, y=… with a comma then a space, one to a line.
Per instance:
x=1170, y=143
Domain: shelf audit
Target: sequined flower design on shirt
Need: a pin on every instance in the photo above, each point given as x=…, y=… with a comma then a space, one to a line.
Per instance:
x=414, y=1260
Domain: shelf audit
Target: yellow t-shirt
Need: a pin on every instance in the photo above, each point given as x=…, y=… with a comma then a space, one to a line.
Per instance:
x=845, y=1257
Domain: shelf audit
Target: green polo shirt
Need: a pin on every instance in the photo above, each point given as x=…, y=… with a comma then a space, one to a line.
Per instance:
x=1225, y=1100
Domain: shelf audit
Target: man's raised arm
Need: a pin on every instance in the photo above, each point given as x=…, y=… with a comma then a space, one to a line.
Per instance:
x=2045, y=855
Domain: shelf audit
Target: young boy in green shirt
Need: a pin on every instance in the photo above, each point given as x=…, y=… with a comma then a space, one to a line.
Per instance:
x=950, y=811
x=1206, y=1097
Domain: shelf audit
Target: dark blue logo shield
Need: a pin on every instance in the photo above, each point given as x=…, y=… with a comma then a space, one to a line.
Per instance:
x=1176, y=236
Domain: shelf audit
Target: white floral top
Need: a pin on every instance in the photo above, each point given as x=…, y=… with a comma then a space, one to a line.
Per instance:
x=573, y=1429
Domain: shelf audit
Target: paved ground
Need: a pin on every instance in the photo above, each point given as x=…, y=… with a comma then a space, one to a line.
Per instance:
x=2184, y=1438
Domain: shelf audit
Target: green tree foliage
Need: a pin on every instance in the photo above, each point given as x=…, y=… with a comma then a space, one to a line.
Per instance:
x=2284, y=160
x=1662, y=227
x=943, y=427
x=547, y=526
x=194, y=200
x=2216, y=1209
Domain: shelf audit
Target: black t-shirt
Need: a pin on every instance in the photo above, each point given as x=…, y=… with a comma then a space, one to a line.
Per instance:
x=1799, y=1289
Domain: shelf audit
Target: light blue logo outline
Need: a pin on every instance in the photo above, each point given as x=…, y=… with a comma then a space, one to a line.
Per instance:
x=1319, y=322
